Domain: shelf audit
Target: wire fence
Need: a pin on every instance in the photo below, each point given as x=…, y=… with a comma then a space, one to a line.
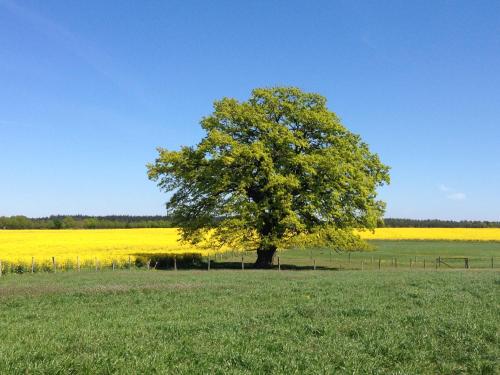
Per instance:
x=283, y=260
x=367, y=261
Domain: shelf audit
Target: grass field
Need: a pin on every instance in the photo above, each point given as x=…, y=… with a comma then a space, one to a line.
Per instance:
x=406, y=254
x=230, y=322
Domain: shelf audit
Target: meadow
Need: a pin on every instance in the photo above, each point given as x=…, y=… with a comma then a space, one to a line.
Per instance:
x=247, y=322
x=107, y=246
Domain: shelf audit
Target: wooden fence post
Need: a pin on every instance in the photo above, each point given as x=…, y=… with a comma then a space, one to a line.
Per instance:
x=379, y=263
x=349, y=255
x=95, y=261
x=32, y=264
x=208, y=268
x=242, y=263
x=149, y=264
x=314, y=264
x=279, y=264
x=175, y=263
x=78, y=263
x=54, y=264
x=331, y=258
x=113, y=264
x=424, y=263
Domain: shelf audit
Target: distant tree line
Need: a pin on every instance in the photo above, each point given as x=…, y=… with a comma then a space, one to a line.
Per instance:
x=84, y=222
x=124, y=221
x=435, y=223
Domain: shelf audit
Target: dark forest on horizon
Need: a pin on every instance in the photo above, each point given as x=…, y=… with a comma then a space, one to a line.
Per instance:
x=84, y=222
x=127, y=221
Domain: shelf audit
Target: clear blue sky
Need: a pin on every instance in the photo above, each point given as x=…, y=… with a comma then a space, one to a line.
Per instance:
x=88, y=89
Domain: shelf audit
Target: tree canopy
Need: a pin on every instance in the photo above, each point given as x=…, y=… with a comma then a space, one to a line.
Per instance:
x=275, y=171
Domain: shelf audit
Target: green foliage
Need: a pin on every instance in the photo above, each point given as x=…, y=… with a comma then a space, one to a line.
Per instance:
x=271, y=172
x=15, y=222
x=57, y=223
x=68, y=222
x=90, y=223
x=84, y=222
x=109, y=222
x=168, y=261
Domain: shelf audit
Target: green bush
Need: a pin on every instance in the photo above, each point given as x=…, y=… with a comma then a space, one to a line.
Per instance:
x=166, y=261
x=19, y=268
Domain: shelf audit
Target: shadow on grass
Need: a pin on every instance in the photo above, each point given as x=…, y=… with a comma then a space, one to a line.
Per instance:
x=247, y=266
x=193, y=261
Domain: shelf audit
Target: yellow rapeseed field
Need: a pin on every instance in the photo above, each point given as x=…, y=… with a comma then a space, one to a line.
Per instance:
x=449, y=234
x=103, y=245
x=108, y=245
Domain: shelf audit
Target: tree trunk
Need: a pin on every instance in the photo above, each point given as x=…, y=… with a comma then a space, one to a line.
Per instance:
x=265, y=257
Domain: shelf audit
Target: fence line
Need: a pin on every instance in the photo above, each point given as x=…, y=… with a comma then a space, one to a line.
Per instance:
x=344, y=261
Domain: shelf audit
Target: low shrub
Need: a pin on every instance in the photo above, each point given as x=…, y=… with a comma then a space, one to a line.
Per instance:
x=167, y=261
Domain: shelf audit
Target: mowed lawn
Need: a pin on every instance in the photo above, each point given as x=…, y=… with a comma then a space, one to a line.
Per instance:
x=234, y=321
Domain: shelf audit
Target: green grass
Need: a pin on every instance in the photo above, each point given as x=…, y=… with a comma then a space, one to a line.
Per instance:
x=392, y=321
x=392, y=255
x=437, y=248
x=250, y=322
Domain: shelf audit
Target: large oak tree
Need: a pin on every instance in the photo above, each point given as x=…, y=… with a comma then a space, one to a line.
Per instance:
x=276, y=171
